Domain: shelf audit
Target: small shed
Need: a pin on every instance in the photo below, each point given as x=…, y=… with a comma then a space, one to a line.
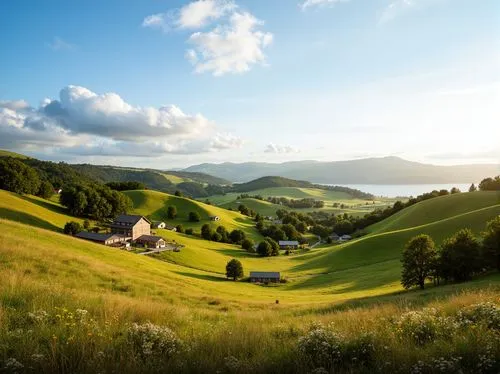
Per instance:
x=265, y=277
x=106, y=239
x=158, y=225
x=288, y=244
x=151, y=241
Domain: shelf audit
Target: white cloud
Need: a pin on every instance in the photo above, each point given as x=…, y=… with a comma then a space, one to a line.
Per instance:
x=233, y=48
x=398, y=8
x=199, y=13
x=59, y=44
x=312, y=3
x=158, y=21
x=86, y=122
x=280, y=149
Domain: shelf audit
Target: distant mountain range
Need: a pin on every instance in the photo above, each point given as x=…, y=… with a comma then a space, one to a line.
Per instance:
x=385, y=170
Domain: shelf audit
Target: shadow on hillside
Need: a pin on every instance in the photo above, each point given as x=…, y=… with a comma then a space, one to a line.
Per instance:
x=27, y=219
x=46, y=205
x=206, y=277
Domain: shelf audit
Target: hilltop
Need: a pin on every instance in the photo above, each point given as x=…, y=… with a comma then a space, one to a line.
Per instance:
x=385, y=170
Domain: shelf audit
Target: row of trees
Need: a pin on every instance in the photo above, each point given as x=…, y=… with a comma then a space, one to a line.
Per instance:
x=490, y=184
x=16, y=176
x=458, y=259
x=220, y=234
x=297, y=203
x=95, y=201
x=126, y=186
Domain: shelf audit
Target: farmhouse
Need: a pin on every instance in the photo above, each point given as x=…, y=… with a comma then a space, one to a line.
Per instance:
x=264, y=276
x=106, y=239
x=131, y=226
x=158, y=225
x=214, y=218
x=290, y=244
x=151, y=241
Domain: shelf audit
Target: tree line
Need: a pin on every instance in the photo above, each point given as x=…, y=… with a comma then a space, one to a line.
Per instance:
x=457, y=259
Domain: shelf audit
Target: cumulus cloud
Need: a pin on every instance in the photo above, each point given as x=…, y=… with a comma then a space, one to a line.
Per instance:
x=313, y=3
x=234, y=45
x=86, y=122
x=233, y=48
x=280, y=149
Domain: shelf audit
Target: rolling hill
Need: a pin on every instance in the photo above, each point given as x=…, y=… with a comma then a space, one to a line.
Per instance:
x=385, y=170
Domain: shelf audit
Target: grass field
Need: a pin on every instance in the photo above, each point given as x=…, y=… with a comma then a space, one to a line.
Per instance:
x=354, y=206
x=225, y=326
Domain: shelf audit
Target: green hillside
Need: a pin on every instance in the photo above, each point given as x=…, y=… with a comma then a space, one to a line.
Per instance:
x=437, y=209
x=4, y=153
x=154, y=204
x=270, y=182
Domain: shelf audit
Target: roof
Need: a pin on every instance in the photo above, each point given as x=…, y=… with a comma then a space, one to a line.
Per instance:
x=98, y=237
x=150, y=238
x=264, y=274
x=130, y=219
x=288, y=242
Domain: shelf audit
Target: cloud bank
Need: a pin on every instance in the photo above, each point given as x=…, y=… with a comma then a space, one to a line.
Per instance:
x=280, y=149
x=233, y=45
x=86, y=123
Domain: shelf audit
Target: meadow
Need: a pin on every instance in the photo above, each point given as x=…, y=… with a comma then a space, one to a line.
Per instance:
x=67, y=305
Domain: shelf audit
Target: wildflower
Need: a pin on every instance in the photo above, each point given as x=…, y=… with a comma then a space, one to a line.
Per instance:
x=321, y=345
x=149, y=339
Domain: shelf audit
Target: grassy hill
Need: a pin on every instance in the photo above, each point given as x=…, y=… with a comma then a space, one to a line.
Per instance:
x=4, y=153
x=154, y=204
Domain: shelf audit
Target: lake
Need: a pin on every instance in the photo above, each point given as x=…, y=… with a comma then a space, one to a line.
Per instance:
x=396, y=190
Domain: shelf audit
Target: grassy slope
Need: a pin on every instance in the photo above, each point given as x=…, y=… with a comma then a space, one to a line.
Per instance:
x=154, y=205
x=4, y=153
x=368, y=266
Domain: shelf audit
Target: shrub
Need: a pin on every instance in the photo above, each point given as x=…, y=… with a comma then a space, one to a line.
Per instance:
x=149, y=340
x=194, y=217
x=72, y=228
x=486, y=313
x=423, y=326
x=179, y=229
x=321, y=346
x=189, y=231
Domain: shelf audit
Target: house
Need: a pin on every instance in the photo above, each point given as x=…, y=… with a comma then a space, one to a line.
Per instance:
x=264, y=276
x=131, y=226
x=214, y=218
x=345, y=238
x=170, y=228
x=106, y=239
x=151, y=241
x=158, y=225
x=290, y=244
x=334, y=237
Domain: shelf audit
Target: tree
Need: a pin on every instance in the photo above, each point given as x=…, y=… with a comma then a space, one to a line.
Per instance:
x=274, y=245
x=46, y=190
x=189, y=231
x=459, y=256
x=472, y=188
x=178, y=193
x=194, y=217
x=264, y=249
x=216, y=237
x=206, y=231
x=419, y=259
x=171, y=212
x=86, y=224
x=454, y=190
x=247, y=245
x=237, y=236
x=179, y=229
x=234, y=269
x=18, y=177
x=72, y=228
x=301, y=227
x=491, y=243
x=490, y=184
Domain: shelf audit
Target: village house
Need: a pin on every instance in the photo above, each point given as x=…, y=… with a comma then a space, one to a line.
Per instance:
x=265, y=277
x=106, y=239
x=131, y=226
x=151, y=241
x=158, y=225
x=288, y=244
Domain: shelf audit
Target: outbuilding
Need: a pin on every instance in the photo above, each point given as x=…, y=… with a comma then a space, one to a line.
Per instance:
x=288, y=244
x=265, y=277
x=151, y=241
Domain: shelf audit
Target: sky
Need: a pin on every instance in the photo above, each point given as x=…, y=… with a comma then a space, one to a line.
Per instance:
x=170, y=83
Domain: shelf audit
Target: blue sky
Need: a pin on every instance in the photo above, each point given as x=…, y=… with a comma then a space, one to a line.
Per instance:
x=171, y=83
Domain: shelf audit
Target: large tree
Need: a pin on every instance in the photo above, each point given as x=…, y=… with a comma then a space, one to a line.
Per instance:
x=171, y=212
x=234, y=269
x=491, y=243
x=264, y=249
x=460, y=256
x=419, y=259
